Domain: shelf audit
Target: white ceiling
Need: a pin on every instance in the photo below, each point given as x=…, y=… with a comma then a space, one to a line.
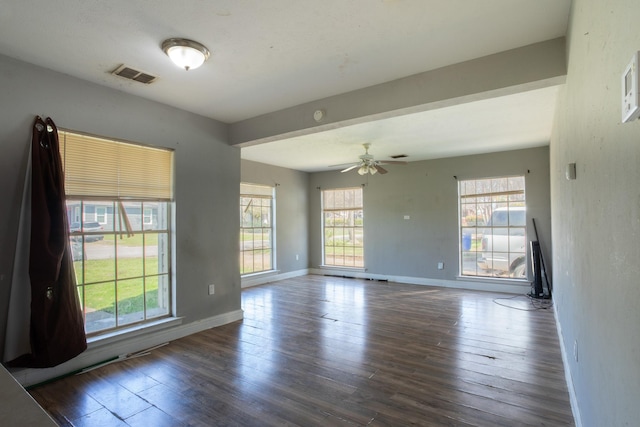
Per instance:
x=275, y=54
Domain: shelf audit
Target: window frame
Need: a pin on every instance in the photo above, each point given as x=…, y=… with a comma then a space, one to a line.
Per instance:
x=488, y=250
x=126, y=259
x=261, y=193
x=353, y=251
x=103, y=214
x=149, y=216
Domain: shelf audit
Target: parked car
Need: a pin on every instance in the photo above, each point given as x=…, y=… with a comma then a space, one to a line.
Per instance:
x=89, y=227
x=499, y=241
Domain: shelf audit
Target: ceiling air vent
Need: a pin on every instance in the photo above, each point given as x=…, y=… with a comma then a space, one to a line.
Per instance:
x=399, y=156
x=132, y=74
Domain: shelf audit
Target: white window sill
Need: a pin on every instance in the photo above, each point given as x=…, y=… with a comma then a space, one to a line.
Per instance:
x=259, y=273
x=343, y=271
x=497, y=280
x=132, y=332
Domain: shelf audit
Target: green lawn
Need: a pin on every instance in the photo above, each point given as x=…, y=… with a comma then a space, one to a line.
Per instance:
x=340, y=250
x=257, y=236
x=100, y=285
x=150, y=239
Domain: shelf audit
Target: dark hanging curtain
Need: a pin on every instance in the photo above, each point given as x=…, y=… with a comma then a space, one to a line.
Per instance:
x=57, y=327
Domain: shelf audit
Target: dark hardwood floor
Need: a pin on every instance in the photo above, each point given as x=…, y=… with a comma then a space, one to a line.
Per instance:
x=324, y=351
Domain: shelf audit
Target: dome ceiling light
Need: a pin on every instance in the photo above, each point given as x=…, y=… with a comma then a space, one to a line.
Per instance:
x=185, y=53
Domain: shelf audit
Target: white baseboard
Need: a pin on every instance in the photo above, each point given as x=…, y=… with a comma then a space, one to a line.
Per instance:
x=567, y=372
x=261, y=279
x=114, y=346
x=505, y=286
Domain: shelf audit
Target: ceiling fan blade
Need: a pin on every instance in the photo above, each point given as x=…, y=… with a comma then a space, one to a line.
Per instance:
x=341, y=165
x=351, y=167
x=392, y=162
x=380, y=169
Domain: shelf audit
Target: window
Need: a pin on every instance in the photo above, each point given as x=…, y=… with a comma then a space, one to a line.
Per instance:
x=147, y=216
x=493, y=238
x=256, y=228
x=343, y=219
x=101, y=214
x=121, y=258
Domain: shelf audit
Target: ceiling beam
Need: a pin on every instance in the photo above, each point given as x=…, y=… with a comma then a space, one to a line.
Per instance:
x=530, y=67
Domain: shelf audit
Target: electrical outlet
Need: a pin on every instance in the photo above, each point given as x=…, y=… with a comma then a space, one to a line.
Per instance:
x=212, y=289
x=575, y=350
x=441, y=266
x=297, y=257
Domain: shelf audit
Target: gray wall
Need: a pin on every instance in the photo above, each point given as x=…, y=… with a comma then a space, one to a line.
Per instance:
x=292, y=219
x=596, y=218
x=207, y=176
x=427, y=192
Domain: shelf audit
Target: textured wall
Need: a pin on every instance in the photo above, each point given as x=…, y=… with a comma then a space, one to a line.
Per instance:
x=427, y=191
x=596, y=218
x=292, y=219
x=207, y=176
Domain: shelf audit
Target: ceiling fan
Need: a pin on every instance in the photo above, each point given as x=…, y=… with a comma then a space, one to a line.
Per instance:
x=367, y=164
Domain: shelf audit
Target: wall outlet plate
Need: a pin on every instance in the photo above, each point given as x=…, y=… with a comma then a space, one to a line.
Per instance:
x=631, y=91
x=570, y=173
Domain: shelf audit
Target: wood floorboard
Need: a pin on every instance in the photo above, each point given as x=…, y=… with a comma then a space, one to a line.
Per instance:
x=325, y=351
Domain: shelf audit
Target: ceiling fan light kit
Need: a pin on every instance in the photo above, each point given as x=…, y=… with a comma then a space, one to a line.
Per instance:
x=365, y=169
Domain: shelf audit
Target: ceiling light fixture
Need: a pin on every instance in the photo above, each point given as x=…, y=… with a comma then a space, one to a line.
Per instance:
x=365, y=169
x=185, y=53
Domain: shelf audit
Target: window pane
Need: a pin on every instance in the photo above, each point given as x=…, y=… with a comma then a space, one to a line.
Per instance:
x=130, y=301
x=156, y=254
x=516, y=183
x=99, y=261
x=266, y=259
x=130, y=259
x=155, y=295
x=328, y=199
x=100, y=302
x=128, y=217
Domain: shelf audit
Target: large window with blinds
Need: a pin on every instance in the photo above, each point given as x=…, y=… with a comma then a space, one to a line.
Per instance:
x=256, y=228
x=119, y=205
x=343, y=227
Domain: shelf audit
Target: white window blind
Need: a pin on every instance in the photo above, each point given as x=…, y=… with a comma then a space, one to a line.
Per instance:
x=97, y=167
x=255, y=190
